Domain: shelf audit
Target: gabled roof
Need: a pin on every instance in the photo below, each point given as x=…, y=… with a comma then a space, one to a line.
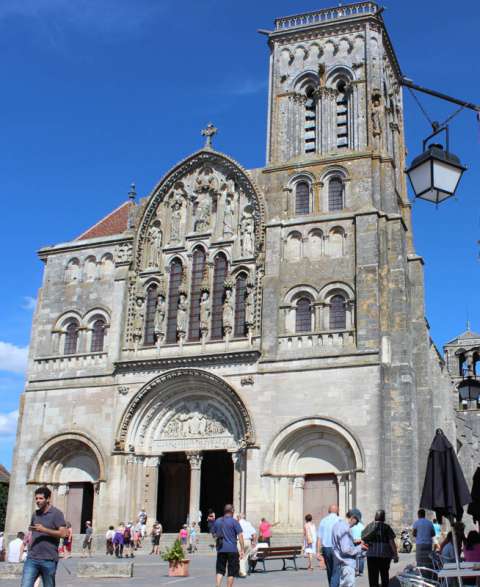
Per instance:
x=114, y=223
x=4, y=475
x=468, y=334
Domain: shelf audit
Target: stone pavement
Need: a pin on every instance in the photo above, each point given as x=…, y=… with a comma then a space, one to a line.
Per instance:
x=150, y=572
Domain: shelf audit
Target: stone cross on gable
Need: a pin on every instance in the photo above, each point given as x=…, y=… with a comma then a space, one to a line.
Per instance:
x=208, y=133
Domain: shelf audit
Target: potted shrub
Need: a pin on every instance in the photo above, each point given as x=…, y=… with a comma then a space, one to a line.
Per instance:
x=177, y=563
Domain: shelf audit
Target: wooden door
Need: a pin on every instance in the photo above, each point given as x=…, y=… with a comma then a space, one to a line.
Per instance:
x=320, y=491
x=74, y=506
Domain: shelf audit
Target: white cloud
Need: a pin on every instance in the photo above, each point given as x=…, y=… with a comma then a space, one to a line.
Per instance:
x=29, y=303
x=8, y=423
x=13, y=358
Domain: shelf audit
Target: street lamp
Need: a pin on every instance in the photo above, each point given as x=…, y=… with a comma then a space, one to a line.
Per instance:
x=435, y=174
x=469, y=391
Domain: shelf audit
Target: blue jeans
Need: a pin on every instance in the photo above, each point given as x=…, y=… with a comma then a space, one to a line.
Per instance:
x=337, y=570
x=327, y=552
x=32, y=569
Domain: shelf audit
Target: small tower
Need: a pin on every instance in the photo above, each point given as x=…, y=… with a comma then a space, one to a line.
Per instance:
x=462, y=356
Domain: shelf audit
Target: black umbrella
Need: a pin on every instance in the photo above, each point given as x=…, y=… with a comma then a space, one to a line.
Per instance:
x=445, y=490
x=474, y=507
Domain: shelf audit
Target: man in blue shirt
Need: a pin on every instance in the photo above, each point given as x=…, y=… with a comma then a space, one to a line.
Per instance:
x=424, y=532
x=324, y=542
x=227, y=530
x=344, y=548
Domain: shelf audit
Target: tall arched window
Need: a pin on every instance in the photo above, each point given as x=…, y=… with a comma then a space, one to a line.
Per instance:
x=338, y=313
x=310, y=121
x=71, y=338
x=176, y=270
x=240, y=308
x=198, y=268
x=302, y=198
x=303, y=315
x=342, y=115
x=219, y=276
x=151, y=306
x=335, y=194
x=98, y=335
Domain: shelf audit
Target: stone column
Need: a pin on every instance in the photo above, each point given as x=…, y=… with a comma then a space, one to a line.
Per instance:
x=151, y=465
x=297, y=505
x=239, y=480
x=195, y=459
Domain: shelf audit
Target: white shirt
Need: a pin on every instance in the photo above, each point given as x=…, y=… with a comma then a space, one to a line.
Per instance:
x=14, y=547
x=247, y=529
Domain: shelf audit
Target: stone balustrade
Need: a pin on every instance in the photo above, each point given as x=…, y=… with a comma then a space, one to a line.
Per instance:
x=60, y=363
x=328, y=14
x=317, y=340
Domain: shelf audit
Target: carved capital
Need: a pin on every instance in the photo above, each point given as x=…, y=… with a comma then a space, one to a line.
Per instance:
x=195, y=459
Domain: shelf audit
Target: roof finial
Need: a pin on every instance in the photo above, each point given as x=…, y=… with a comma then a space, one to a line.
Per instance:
x=209, y=133
x=468, y=325
x=132, y=194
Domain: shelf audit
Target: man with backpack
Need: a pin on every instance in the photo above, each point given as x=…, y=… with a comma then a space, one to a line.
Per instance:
x=227, y=531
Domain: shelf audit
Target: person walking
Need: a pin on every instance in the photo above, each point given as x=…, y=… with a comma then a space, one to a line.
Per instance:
x=193, y=538
x=47, y=526
x=324, y=542
x=265, y=530
x=344, y=549
x=15, y=549
x=109, y=535
x=87, y=541
x=128, y=540
x=68, y=542
x=309, y=540
x=357, y=539
x=380, y=539
x=423, y=532
x=249, y=542
x=227, y=531
x=119, y=541
x=183, y=535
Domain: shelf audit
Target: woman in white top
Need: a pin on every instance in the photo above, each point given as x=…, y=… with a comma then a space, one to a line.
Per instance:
x=15, y=549
x=309, y=540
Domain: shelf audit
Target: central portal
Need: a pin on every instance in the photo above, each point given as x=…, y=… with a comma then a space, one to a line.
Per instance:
x=216, y=488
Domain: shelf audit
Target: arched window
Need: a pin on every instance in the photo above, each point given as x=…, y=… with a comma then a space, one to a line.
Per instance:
x=335, y=194
x=90, y=269
x=303, y=316
x=150, y=308
x=176, y=270
x=72, y=272
x=219, y=276
x=71, y=338
x=338, y=313
x=342, y=115
x=240, y=308
x=310, y=121
x=98, y=335
x=302, y=198
x=198, y=268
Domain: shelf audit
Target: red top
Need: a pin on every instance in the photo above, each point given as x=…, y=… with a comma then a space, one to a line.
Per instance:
x=265, y=529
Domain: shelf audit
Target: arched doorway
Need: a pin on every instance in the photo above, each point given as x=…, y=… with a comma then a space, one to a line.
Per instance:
x=312, y=463
x=193, y=429
x=73, y=465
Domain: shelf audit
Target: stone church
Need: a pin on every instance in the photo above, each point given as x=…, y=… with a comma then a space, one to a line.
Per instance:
x=248, y=336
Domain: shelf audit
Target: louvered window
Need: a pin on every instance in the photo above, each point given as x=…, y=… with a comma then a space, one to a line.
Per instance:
x=338, y=313
x=98, y=335
x=240, y=298
x=335, y=194
x=310, y=122
x=219, y=276
x=342, y=115
x=303, y=316
x=71, y=338
x=198, y=267
x=302, y=198
x=175, y=280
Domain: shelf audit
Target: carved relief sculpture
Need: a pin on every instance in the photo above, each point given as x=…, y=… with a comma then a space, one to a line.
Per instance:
x=228, y=217
x=246, y=233
x=154, y=246
x=123, y=253
x=138, y=322
x=202, y=214
x=228, y=313
x=204, y=314
x=159, y=325
x=176, y=220
x=182, y=313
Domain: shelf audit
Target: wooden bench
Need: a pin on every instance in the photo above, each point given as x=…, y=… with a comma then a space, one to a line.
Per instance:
x=283, y=553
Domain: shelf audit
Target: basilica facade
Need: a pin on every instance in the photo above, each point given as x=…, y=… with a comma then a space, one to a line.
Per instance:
x=248, y=336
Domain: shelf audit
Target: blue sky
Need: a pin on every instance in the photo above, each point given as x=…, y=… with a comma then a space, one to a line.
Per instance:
x=98, y=93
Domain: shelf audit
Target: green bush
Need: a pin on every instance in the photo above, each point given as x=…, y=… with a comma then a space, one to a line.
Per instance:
x=174, y=554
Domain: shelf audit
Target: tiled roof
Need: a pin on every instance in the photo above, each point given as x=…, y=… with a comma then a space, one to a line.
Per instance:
x=4, y=475
x=468, y=334
x=114, y=223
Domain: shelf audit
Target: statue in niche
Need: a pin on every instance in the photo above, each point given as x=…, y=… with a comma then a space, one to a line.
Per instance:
x=154, y=245
x=202, y=214
x=204, y=313
x=376, y=119
x=182, y=310
x=228, y=313
x=205, y=180
x=138, y=322
x=249, y=305
x=176, y=221
x=228, y=217
x=159, y=324
x=246, y=234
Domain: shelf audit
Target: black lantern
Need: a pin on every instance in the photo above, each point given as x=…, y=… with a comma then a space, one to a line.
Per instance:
x=434, y=175
x=469, y=390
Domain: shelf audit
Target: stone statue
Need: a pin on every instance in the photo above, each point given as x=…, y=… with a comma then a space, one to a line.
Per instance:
x=204, y=313
x=154, y=248
x=228, y=217
x=182, y=316
x=249, y=305
x=376, y=119
x=159, y=324
x=176, y=221
x=138, y=322
x=202, y=215
x=246, y=235
x=228, y=313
